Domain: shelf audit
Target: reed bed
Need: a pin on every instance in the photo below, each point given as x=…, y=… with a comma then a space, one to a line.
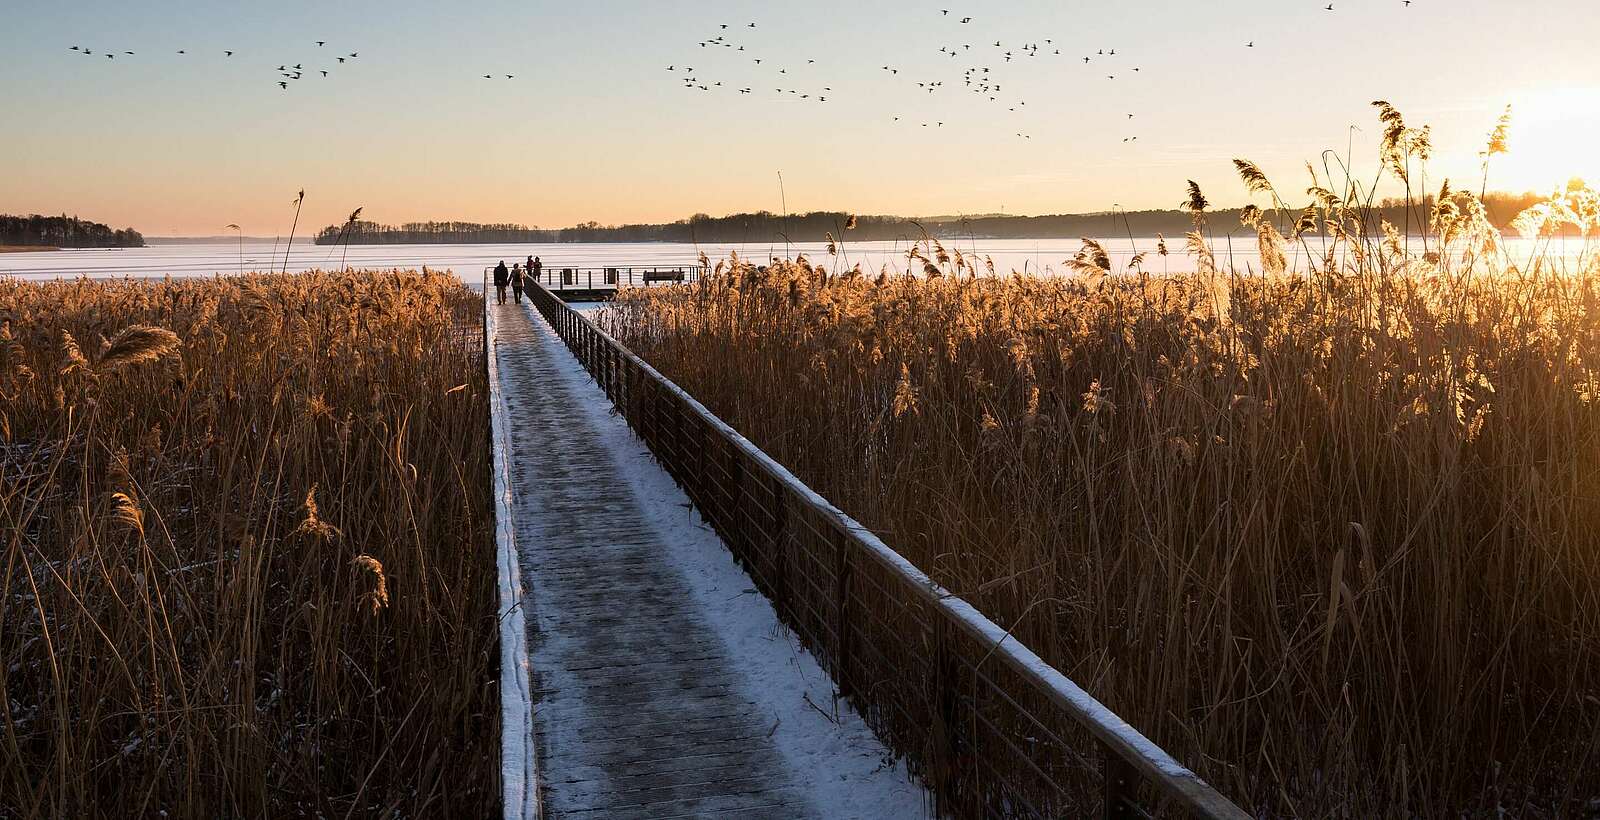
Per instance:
x=1329, y=535
x=247, y=549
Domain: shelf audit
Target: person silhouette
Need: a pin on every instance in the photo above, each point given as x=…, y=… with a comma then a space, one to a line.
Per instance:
x=516, y=281
x=501, y=278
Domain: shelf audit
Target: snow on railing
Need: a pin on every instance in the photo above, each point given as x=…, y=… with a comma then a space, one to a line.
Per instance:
x=990, y=726
x=519, y=765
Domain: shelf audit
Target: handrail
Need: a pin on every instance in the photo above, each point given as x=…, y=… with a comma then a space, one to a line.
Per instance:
x=728, y=500
x=610, y=277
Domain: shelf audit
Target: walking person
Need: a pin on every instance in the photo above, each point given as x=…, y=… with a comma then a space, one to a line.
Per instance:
x=516, y=281
x=531, y=274
x=501, y=277
x=536, y=269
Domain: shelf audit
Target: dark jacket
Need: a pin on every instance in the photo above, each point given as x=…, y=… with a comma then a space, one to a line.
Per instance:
x=501, y=275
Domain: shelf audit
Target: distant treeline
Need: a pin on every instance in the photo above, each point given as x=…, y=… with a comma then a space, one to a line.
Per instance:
x=767, y=227
x=64, y=232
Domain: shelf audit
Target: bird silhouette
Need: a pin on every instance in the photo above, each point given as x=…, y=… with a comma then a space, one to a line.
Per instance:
x=283, y=85
x=321, y=43
x=324, y=73
x=229, y=53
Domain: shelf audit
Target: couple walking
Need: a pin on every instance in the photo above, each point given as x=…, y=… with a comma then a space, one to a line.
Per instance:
x=517, y=277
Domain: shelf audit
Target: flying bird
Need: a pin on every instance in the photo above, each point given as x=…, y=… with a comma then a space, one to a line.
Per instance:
x=283, y=85
x=321, y=43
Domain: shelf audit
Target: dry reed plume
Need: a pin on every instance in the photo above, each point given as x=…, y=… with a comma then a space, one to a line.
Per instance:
x=247, y=563
x=1328, y=532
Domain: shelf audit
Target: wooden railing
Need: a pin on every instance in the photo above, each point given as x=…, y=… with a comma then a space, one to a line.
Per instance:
x=610, y=278
x=990, y=727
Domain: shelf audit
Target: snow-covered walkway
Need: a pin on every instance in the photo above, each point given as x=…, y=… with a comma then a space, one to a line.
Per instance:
x=663, y=684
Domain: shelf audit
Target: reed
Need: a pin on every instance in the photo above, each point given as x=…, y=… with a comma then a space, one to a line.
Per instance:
x=1327, y=532
x=246, y=567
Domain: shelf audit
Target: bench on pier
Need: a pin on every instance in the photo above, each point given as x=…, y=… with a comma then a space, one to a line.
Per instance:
x=675, y=275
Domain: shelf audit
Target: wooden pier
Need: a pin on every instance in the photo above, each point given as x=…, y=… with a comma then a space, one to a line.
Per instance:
x=640, y=712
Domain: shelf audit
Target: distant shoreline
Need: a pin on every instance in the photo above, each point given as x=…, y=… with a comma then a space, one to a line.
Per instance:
x=26, y=248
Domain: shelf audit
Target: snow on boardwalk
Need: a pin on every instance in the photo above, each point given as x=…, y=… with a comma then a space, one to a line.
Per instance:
x=663, y=684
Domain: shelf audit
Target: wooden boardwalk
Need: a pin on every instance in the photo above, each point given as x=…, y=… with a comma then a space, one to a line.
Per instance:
x=639, y=710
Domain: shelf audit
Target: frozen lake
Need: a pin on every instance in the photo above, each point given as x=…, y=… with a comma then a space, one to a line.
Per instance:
x=469, y=261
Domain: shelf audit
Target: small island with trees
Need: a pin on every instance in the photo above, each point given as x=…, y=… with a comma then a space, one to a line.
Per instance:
x=38, y=233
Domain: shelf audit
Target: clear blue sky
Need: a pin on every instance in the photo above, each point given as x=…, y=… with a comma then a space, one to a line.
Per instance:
x=595, y=127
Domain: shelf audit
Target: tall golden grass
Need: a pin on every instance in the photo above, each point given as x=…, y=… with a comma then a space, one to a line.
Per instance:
x=1331, y=535
x=247, y=561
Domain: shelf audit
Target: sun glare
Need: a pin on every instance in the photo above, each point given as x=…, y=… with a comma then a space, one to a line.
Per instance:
x=1552, y=139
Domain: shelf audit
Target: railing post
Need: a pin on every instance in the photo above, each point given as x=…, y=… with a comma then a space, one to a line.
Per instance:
x=947, y=682
x=842, y=597
x=735, y=524
x=1119, y=779
x=779, y=546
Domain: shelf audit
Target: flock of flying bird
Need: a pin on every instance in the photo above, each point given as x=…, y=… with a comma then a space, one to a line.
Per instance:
x=978, y=78
x=981, y=76
x=286, y=73
x=982, y=68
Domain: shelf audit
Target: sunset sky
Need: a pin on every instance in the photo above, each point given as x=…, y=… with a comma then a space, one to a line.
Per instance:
x=594, y=127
